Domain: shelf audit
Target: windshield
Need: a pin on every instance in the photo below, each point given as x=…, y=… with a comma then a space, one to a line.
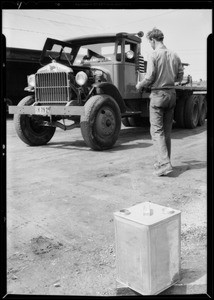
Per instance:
x=56, y=50
x=59, y=52
x=76, y=54
x=95, y=53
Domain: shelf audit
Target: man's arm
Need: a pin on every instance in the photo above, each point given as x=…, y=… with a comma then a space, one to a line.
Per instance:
x=150, y=74
x=180, y=73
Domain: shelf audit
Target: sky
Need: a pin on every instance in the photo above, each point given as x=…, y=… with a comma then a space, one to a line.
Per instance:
x=185, y=30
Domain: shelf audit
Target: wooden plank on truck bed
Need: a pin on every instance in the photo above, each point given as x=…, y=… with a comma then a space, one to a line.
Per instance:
x=187, y=88
x=190, y=88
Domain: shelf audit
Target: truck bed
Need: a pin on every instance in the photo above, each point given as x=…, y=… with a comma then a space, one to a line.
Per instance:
x=191, y=88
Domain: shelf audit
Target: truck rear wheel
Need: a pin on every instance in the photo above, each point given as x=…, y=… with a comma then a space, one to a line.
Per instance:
x=28, y=128
x=202, y=110
x=179, y=112
x=191, y=112
x=100, y=126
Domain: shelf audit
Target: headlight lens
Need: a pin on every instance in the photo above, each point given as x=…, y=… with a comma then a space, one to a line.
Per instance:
x=81, y=78
x=31, y=80
x=130, y=54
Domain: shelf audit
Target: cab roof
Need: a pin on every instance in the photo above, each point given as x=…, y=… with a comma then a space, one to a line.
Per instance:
x=107, y=37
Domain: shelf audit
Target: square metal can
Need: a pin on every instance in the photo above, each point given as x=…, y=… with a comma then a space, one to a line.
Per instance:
x=148, y=247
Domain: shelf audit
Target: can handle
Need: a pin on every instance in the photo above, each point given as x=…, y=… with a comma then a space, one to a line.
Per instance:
x=125, y=211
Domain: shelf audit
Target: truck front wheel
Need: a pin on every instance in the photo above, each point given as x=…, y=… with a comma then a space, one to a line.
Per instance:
x=100, y=126
x=28, y=128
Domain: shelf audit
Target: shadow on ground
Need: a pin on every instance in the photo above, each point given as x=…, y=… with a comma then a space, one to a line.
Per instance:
x=128, y=135
x=188, y=165
x=189, y=284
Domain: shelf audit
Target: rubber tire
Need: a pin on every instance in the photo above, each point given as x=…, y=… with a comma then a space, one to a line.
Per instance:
x=179, y=112
x=31, y=135
x=8, y=103
x=202, y=110
x=133, y=121
x=138, y=121
x=125, y=121
x=191, y=112
x=98, y=110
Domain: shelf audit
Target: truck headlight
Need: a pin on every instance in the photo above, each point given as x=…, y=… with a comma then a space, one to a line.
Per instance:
x=130, y=54
x=81, y=78
x=31, y=80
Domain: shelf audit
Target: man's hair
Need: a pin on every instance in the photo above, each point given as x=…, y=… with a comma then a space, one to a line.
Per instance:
x=155, y=34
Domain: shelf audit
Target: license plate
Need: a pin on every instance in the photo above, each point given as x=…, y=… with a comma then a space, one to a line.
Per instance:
x=42, y=110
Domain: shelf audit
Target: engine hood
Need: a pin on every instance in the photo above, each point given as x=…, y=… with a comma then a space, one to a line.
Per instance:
x=54, y=67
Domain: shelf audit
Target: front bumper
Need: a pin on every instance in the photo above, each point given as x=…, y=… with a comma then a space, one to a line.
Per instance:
x=48, y=110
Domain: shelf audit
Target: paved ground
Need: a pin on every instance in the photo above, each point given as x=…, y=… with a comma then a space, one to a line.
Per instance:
x=60, y=203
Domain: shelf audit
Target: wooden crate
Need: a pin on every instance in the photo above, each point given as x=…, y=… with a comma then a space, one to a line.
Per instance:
x=148, y=247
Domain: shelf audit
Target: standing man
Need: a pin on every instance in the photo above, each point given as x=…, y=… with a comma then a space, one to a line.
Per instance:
x=164, y=68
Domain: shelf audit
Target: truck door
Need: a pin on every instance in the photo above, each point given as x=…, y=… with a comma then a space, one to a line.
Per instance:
x=125, y=73
x=131, y=75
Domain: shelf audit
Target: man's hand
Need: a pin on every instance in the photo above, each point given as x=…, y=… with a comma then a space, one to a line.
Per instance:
x=138, y=86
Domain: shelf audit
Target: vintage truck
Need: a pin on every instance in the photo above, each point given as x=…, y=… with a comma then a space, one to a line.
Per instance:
x=89, y=82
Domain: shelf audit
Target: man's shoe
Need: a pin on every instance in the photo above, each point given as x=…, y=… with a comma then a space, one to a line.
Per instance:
x=156, y=166
x=163, y=170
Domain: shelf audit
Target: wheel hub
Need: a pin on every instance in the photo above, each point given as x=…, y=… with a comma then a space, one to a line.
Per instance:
x=105, y=123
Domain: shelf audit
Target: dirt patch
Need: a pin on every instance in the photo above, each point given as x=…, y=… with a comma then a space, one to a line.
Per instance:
x=42, y=245
x=197, y=234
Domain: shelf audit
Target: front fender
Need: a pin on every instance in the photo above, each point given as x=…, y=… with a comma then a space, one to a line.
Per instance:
x=110, y=89
x=29, y=89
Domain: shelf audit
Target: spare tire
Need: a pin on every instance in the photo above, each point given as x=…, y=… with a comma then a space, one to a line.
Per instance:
x=138, y=121
x=125, y=121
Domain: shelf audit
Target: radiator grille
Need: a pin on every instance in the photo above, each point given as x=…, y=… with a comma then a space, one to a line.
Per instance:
x=52, y=87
